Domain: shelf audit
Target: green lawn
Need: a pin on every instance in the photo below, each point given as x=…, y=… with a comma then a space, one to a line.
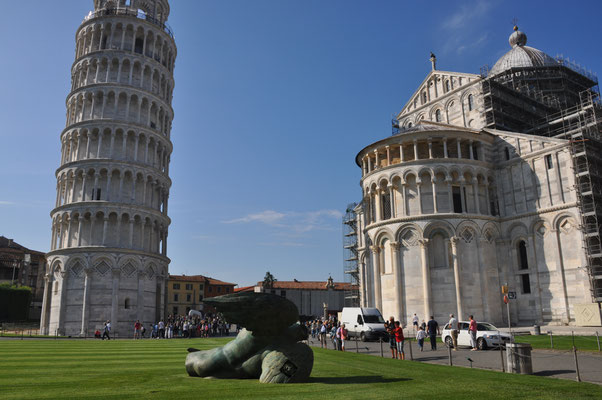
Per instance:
x=583, y=343
x=63, y=369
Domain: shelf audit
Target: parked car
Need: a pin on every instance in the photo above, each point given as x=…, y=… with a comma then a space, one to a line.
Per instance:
x=487, y=335
x=365, y=323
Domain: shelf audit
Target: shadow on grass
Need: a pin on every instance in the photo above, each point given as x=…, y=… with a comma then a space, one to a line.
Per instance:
x=344, y=380
x=553, y=372
x=432, y=358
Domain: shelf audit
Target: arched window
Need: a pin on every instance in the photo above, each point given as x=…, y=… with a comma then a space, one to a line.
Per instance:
x=410, y=125
x=127, y=304
x=523, y=263
x=470, y=102
x=438, y=116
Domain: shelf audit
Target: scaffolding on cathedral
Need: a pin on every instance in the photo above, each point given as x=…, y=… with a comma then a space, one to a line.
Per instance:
x=561, y=102
x=350, y=256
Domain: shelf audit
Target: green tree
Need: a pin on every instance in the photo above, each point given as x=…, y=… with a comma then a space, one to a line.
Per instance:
x=268, y=280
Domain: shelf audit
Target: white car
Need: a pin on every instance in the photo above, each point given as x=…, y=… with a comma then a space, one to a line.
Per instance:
x=487, y=335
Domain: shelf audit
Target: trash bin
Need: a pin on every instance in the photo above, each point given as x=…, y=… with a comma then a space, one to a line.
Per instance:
x=536, y=330
x=518, y=357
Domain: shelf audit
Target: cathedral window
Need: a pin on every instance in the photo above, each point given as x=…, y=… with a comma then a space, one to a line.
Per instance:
x=424, y=98
x=386, y=205
x=457, y=198
x=127, y=304
x=522, y=256
x=438, y=116
x=525, y=283
x=549, y=163
x=470, y=102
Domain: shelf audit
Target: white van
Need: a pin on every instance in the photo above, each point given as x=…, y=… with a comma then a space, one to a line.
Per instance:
x=367, y=323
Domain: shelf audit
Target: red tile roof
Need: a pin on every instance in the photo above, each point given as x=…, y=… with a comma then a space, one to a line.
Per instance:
x=199, y=278
x=308, y=285
x=244, y=289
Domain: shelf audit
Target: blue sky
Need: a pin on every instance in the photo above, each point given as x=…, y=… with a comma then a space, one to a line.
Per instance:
x=273, y=100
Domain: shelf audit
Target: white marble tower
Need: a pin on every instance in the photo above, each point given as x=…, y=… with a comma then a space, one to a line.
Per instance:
x=108, y=257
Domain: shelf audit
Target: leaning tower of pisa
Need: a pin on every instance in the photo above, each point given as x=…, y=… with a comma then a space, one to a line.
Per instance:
x=108, y=257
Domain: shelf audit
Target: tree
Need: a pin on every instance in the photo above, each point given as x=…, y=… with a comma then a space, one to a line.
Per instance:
x=268, y=280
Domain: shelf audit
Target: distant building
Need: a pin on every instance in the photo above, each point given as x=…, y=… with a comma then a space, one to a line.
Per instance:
x=24, y=267
x=185, y=293
x=313, y=299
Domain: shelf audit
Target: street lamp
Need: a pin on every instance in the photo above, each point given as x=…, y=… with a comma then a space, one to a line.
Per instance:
x=15, y=263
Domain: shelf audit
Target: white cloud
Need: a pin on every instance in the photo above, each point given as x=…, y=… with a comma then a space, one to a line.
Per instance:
x=6, y=203
x=462, y=29
x=292, y=223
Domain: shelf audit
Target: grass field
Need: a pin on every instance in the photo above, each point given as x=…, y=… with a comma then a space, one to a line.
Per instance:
x=583, y=343
x=75, y=369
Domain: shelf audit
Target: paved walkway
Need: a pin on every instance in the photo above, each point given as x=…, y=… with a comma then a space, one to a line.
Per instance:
x=553, y=363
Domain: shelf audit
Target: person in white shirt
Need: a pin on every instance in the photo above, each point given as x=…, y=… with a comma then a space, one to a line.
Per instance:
x=415, y=322
x=453, y=326
x=420, y=336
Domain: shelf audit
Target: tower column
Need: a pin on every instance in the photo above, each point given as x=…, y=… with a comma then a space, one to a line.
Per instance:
x=426, y=279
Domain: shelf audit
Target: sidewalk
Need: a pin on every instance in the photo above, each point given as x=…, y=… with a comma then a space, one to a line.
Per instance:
x=551, y=363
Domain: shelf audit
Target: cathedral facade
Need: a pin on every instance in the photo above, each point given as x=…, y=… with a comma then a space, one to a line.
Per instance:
x=481, y=187
x=108, y=258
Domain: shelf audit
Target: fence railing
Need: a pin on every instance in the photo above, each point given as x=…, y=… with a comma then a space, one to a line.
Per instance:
x=130, y=13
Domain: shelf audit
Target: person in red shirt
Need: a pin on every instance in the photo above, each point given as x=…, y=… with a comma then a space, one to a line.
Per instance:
x=399, y=339
x=472, y=329
x=137, y=327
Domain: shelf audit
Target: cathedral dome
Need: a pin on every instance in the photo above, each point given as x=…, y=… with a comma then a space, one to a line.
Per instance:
x=521, y=55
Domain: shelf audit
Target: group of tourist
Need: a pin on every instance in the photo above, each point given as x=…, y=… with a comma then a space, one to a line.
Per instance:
x=181, y=326
x=328, y=330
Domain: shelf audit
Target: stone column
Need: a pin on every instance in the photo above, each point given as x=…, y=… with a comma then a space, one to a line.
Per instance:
x=377, y=204
x=115, y=297
x=419, y=190
x=392, y=200
x=454, y=246
x=398, y=308
x=104, y=230
x=376, y=276
x=459, y=147
x=434, y=186
x=450, y=194
x=46, y=304
x=560, y=263
x=377, y=160
x=415, y=149
x=86, y=302
x=445, y=155
x=80, y=220
x=388, y=155
x=430, y=144
x=462, y=197
x=487, y=199
x=401, y=156
x=426, y=279
x=475, y=190
x=402, y=191
x=471, y=155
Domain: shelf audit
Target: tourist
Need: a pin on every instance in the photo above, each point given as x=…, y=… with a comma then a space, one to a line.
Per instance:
x=415, y=322
x=333, y=336
x=161, y=329
x=142, y=330
x=107, y=331
x=97, y=334
x=472, y=329
x=453, y=326
x=322, y=336
x=399, y=340
x=420, y=336
x=342, y=334
x=433, y=331
x=423, y=325
x=137, y=326
x=390, y=327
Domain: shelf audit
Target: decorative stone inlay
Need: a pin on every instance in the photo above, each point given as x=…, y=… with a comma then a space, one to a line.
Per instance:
x=76, y=269
x=489, y=236
x=566, y=226
x=102, y=267
x=150, y=272
x=409, y=238
x=467, y=235
x=128, y=270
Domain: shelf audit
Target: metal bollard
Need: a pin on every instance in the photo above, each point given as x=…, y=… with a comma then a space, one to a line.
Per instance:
x=450, y=356
x=410, y=344
x=576, y=364
x=551, y=340
x=501, y=352
x=598, y=339
x=357, y=350
x=380, y=339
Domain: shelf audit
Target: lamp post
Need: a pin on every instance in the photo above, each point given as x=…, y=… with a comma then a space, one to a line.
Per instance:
x=15, y=263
